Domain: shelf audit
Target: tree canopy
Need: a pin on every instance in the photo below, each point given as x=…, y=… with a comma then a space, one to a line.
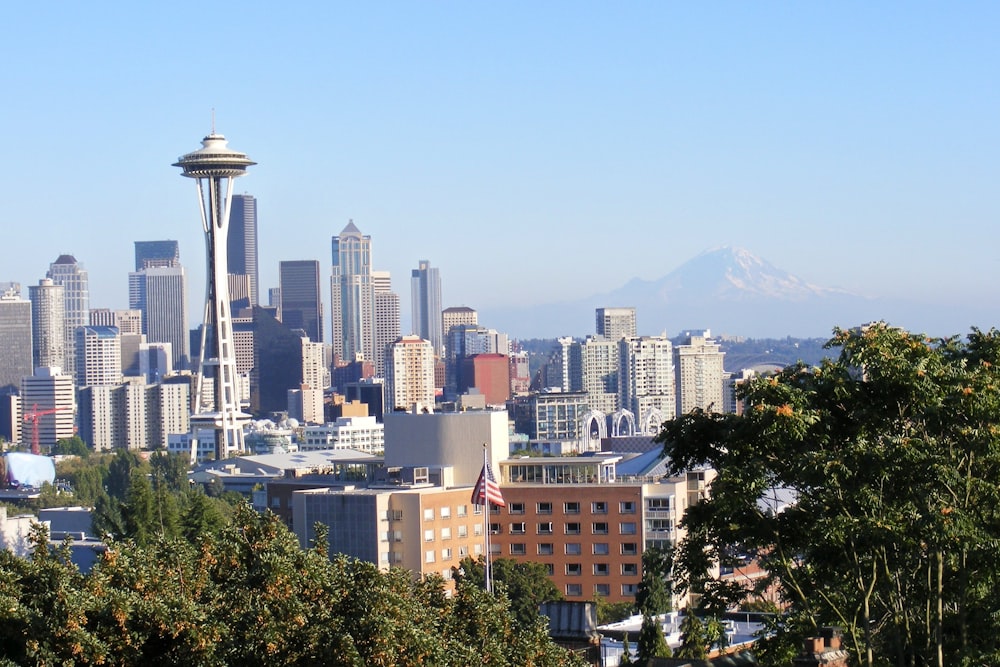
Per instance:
x=890, y=455
x=249, y=595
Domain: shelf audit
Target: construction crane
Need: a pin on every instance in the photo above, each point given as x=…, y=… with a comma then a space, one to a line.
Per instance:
x=34, y=416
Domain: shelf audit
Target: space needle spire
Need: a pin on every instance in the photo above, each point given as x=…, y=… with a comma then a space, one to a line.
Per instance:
x=217, y=399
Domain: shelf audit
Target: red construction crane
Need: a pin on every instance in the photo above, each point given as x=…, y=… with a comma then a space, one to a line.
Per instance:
x=34, y=416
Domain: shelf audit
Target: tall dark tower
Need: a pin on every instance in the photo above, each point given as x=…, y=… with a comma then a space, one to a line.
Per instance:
x=242, y=246
x=217, y=402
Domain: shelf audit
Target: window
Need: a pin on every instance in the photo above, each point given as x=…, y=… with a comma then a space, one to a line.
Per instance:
x=545, y=549
x=446, y=554
x=627, y=528
x=463, y=531
x=463, y=551
x=601, y=549
x=604, y=590
x=601, y=570
x=572, y=529
x=516, y=508
x=477, y=530
x=275, y=501
x=599, y=507
x=550, y=569
x=627, y=507
x=446, y=533
x=477, y=509
x=630, y=570
x=495, y=549
x=494, y=529
x=517, y=528
x=573, y=549
x=429, y=535
x=477, y=549
x=445, y=512
x=463, y=510
x=384, y=536
x=545, y=528
x=658, y=504
x=544, y=508
x=574, y=590
x=600, y=528
x=571, y=508
x=574, y=569
x=630, y=549
x=659, y=525
x=518, y=549
x=429, y=556
x=429, y=514
x=628, y=590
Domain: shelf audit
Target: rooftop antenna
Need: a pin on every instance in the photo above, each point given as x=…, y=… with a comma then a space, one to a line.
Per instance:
x=213, y=120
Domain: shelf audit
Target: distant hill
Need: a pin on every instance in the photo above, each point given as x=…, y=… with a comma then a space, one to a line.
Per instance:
x=732, y=291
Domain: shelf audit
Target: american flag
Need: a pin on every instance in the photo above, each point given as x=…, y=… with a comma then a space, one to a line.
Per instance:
x=487, y=489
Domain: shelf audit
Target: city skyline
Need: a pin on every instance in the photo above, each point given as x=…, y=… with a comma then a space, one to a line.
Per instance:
x=850, y=144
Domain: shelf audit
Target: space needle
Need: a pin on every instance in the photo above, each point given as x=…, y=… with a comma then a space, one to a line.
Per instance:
x=217, y=399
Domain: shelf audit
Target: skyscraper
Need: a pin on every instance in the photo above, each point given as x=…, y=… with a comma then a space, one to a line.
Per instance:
x=425, y=294
x=15, y=332
x=615, y=323
x=48, y=389
x=409, y=376
x=242, y=246
x=386, y=317
x=699, y=373
x=98, y=356
x=158, y=292
x=215, y=167
x=646, y=380
x=69, y=273
x=48, y=317
x=352, y=297
x=301, y=301
x=156, y=253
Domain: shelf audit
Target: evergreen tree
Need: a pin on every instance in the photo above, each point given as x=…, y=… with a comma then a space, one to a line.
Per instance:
x=694, y=641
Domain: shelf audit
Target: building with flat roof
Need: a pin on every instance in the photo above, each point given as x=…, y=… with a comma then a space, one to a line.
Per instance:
x=301, y=300
x=15, y=331
x=425, y=299
x=69, y=273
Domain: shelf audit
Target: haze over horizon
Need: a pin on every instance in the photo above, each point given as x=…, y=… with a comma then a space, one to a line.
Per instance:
x=535, y=154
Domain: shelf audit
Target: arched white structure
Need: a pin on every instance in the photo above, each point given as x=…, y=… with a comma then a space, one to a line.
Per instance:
x=595, y=427
x=620, y=419
x=652, y=421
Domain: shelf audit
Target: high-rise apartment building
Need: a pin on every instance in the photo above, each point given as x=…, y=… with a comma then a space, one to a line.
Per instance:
x=616, y=323
x=315, y=372
x=425, y=298
x=158, y=292
x=98, y=356
x=301, y=301
x=409, y=377
x=48, y=389
x=387, y=328
x=48, y=318
x=134, y=415
x=646, y=380
x=242, y=244
x=69, y=273
x=600, y=368
x=699, y=373
x=352, y=296
x=15, y=331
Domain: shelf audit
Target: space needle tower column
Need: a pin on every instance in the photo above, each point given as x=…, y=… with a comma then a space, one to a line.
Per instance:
x=217, y=402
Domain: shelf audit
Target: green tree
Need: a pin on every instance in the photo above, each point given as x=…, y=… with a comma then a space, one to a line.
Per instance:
x=694, y=640
x=651, y=643
x=890, y=456
x=526, y=583
x=74, y=446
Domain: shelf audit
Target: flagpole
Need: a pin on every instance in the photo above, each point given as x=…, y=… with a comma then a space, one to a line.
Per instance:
x=486, y=529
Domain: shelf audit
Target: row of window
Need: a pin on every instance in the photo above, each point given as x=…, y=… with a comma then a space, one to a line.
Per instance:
x=462, y=531
x=574, y=507
x=569, y=528
x=576, y=549
x=461, y=512
x=603, y=590
x=430, y=556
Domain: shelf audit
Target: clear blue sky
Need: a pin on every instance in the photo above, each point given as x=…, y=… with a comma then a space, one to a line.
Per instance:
x=534, y=151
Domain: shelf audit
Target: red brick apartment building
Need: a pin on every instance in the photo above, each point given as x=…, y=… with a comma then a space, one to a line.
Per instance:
x=588, y=527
